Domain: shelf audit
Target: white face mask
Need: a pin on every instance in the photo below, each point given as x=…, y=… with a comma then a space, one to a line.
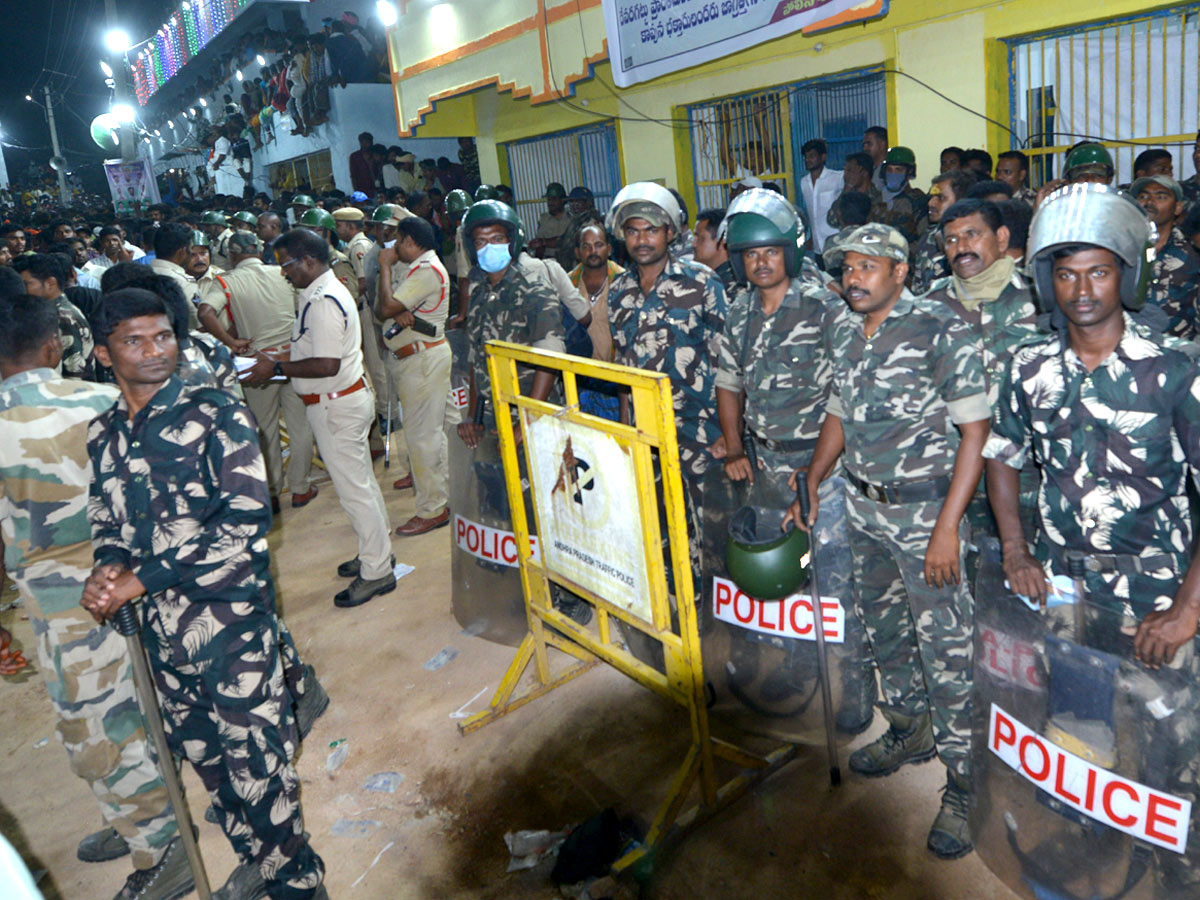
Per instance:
x=389, y=244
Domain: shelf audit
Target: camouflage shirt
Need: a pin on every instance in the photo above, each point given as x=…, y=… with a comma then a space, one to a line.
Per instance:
x=781, y=362
x=675, y=330
x=997, y=326
x=1175, y=285
x=521, y=308
x=900, y=392
x=77, y=342
x=206, y=362
x=1114, y=445
x=179, y=495
x=908, y=214
x=44, y=475
x=929, y=262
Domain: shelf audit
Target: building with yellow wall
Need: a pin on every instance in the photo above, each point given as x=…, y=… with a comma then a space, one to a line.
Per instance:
x=517, y=73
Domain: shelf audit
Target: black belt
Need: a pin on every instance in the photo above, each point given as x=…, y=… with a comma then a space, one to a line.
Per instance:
x=793, y=446
x=1120, y=563
x=904, y=491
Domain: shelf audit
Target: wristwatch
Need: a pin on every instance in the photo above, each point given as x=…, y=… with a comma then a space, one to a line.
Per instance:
x=279, y=370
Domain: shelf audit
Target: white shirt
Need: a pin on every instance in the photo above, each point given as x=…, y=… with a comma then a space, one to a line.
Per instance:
x=818, y=198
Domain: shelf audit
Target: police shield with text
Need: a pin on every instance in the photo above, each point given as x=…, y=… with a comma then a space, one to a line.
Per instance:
x=1086, y=733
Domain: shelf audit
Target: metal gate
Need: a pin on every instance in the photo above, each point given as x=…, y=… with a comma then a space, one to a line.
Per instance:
x=1130, y=83
x=761, y=133
x=580, y=157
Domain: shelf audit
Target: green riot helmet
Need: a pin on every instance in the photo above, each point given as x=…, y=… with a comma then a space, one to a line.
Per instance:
x=762, y=218
x=318, y=218
x=304, y=200
x=458, y=202
x=764, y=563
x=200, y=239
x=384, y=214
x=245, y=216
x=555, y=191
x=1088, y=159
x=492, y=212
x=213, y=217
x=901, y=156
x=1092, y=215
x=486, y=192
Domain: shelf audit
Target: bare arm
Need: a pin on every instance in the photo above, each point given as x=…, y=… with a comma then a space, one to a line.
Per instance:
x=941, y=557
x=212, y=324
x=1025, y=575
x=729, y=412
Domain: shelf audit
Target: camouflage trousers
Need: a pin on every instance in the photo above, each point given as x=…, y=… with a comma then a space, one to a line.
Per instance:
x=920, y=634
x=231, y=716
x=90, y=682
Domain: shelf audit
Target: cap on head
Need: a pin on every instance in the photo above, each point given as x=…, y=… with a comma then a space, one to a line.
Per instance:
x=554, y=190
x=1165, y=181
x=872, y=239
x=348, y=214
x=358, y=197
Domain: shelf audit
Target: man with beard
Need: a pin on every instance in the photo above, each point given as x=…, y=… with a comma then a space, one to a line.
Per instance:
x=929, y=260
x=819, y=188
x=592, y=277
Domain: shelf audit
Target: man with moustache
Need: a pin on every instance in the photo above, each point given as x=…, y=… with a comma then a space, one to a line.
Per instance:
x=1175, y=275
x=929, y=261
x=908, y=410
x=993, y=299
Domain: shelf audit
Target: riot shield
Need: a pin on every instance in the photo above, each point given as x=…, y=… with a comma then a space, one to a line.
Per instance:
x=460, y=377
x=760, y=656
x=486, y=593
x=1084, y=761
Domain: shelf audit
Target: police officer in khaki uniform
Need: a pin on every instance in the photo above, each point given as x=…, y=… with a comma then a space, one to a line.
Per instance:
x=419, y=363
x=326, y=371
x=260, y=305
x=349, y=221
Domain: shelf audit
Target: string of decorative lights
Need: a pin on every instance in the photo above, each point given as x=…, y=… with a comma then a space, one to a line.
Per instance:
x=189, y=30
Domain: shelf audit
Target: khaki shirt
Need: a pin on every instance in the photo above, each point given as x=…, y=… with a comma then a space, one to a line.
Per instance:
x=185, y=281
x=423, y=287
x=339, y=264
x=357, y=251
x=258, y=301
x=327, y=328
x=550, y=227
x=219, y=251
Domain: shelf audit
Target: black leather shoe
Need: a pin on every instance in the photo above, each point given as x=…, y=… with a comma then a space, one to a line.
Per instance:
x=101, y=846
x=350, y=568
x=361, y=590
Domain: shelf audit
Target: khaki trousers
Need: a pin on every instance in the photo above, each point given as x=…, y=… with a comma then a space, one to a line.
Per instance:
x=340, y=427
x=267, y=402
x=423, y=386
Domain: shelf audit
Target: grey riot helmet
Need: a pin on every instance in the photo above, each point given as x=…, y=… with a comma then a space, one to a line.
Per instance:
x=1088, y=214
x=762, y=218
x=644, y=200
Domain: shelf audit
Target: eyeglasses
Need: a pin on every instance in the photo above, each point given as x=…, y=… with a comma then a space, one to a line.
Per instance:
x=288, y=263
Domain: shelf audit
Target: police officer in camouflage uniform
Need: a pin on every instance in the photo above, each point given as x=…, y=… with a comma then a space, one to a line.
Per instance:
x=668, y=315
x=179, y=511
x=508, y=304
x=1109, y=410
x=907, y=381
x=48, y=554
x=774, y=362
x=929, y=260
x=1175, y=276
x=904, y=207
x=45, y=275
x=993, y=299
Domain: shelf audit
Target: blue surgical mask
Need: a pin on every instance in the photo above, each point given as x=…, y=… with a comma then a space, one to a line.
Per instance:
x=494, y=258
x=894, y=181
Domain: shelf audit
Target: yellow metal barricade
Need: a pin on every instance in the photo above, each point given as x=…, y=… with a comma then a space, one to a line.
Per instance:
x=622, y=574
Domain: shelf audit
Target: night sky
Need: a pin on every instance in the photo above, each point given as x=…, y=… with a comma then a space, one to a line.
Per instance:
x=60, y=43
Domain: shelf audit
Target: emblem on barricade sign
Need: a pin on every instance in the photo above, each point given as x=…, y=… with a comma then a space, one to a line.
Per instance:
x=1128, y=806
x=791, y=617
x=488, y=543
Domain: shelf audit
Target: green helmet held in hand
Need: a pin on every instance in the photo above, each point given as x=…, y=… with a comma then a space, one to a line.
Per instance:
x=762, y=562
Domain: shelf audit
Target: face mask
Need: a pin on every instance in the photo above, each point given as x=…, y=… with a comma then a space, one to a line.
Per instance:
x=494, y=258
x=388, y=244
x=894, y=181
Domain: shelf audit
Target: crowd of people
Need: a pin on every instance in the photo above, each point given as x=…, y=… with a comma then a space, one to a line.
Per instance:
x=880, y=347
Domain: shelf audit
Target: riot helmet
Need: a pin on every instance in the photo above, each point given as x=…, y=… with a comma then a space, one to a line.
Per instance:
x=1089, y=214
x=492, y=212
x=762, y=562
x=762, y=218
x=644, y=200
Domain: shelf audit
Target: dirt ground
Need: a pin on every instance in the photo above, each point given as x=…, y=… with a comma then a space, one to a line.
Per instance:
x=600, y=741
